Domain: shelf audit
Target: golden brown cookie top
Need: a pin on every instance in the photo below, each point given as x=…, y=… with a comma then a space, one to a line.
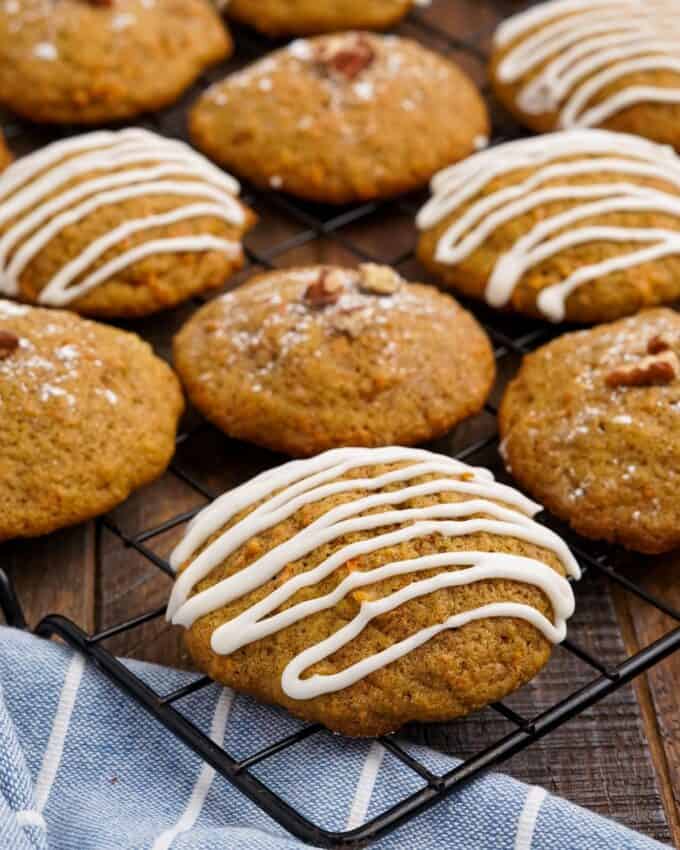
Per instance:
x=580, y=225
x=590, y=427
x=50, y=357
x=89, y=61
x=348, y=562
x=342, y=117
x=118, y=223
x=305, y=17
x=563, y=64
x=88, y=414
x=304, y=359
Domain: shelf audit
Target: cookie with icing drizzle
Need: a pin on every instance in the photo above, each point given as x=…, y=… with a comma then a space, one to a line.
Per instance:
x=302, y=360
x=117, y=224
x=365, y=588
x=592, y=63
x=90, y=62
x=582, y=225
x=306, y=17
x=590, y=427
x=341, y=118
x=88, y=414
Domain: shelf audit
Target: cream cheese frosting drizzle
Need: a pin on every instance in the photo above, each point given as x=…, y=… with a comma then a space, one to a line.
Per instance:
x=37, y=202
x=281, y=492
x=575, y=49
x=557, y=157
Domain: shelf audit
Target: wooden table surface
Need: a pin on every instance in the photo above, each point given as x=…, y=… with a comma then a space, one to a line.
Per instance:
x=622, y=757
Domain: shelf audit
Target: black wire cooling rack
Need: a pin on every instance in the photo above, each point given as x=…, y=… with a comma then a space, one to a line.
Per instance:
x=512, y=338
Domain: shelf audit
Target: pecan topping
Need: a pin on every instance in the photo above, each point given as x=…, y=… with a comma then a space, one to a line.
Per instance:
x=655, y=370
x=379, y=280
x=350, y=323
x=9, y=342
x=658, y=343
x=347, y=57
x=325, y=290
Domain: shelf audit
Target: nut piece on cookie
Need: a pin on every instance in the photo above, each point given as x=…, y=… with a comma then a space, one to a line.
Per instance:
x=347, y=57
x=9, y=343
x=659, y=343
x=325, y=289
x=380, y=280
x=613, y=65
x=342, y=118
x=301, y=360
x=590, y=428
x=485, y=607
x=118, y=224
x=578, y=226
x=96, y=61
x=89, y=414
x=656, y=369
x=306, y=17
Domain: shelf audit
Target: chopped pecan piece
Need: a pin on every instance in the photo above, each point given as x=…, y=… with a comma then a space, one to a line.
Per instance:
x=350, y=323
x=379, y=280
x=347, y=56
x=655, y=370
x=658, y=344
x=9, y=342
x=325, y=290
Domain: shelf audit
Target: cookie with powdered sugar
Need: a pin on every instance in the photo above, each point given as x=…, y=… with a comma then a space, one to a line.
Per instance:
x=582, y=226
x=342, y=118
x=577, y=63
x=366, y=588
x=590, y=427
x=88, y=414
x=94, y=61
x=306, y=17
x=117, y=224
x=301, y=360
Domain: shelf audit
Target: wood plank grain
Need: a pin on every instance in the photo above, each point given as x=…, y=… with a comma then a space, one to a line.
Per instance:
x=659, y=689
x=55, y=574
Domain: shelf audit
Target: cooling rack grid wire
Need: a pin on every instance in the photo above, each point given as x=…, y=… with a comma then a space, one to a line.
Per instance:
x=340, y=231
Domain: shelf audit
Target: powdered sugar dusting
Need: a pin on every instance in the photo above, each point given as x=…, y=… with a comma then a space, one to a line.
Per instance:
x=108, y=394
x=386, y=71
x=49, y=391
x=291, y=328
x=56, y=362
x=364, y=90
x=46, y=50
x=67, y=353
x=122, y=21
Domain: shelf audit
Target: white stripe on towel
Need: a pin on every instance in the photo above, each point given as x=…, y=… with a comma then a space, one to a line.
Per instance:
x=29, y=817
x=528, y=817
x=205, y=777
x=364, y=792
x=55, y=745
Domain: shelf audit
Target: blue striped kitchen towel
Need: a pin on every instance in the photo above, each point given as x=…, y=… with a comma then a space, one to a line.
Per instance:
x=84, y=768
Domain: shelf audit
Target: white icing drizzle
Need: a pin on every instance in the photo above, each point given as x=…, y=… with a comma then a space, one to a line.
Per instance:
x=30, y=198
x=287, y=489
x=590, y=152
x=576, y=48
